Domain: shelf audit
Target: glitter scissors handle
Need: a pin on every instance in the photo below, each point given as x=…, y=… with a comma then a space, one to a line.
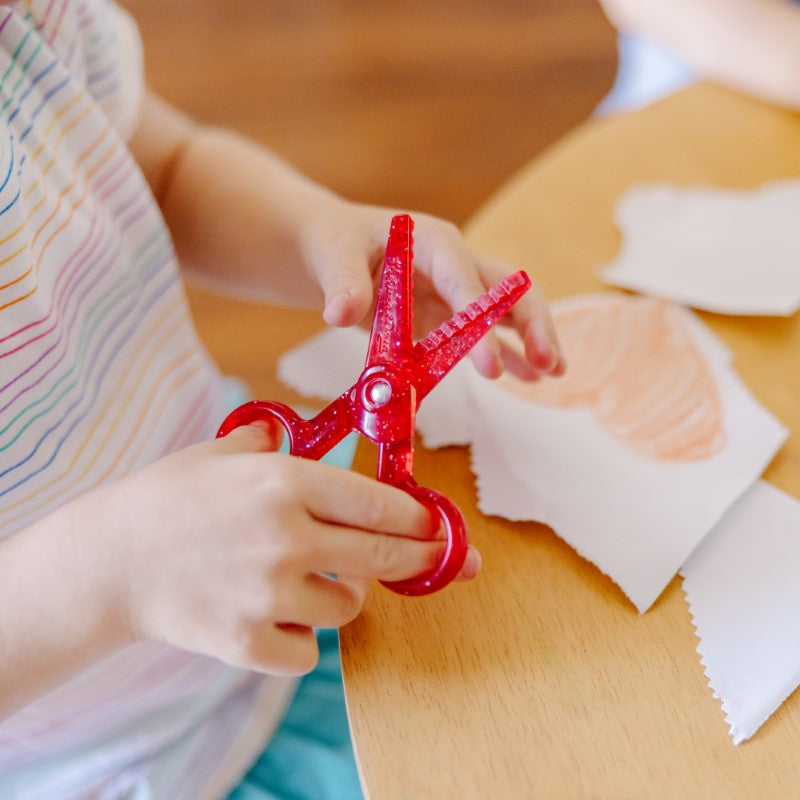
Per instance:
x=313, y=438
x=383, y=402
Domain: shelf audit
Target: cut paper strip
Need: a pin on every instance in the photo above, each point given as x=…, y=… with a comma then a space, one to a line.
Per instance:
x=743, y=592
x=723, y=250
x=563, y=457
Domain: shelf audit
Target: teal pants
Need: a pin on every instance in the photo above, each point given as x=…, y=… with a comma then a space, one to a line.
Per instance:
x=310, y=757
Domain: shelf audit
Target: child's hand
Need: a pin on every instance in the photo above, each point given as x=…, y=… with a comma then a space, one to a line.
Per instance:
x=224, y=548
x=284, y=238
x=344, y=248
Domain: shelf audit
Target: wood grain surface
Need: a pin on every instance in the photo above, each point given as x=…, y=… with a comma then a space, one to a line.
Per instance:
x=539, y=680
x=424, y=106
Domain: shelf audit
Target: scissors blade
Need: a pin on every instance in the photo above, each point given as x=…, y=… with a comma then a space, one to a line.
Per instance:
x=390, y=340
x=443, y=348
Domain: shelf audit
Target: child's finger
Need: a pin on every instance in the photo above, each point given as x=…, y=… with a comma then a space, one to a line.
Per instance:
x=317, y=601
x=355, y=554
x=461, y=276
x=281, y=649
x=451, y=266
x=472, y=565
x=530, y=317
x=517, y=365
x=352, y=553
x=331, y=494
x=533, y=321
x=344, y=274
x=258, y=437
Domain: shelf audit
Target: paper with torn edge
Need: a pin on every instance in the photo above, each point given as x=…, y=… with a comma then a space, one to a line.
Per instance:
x=325, y=365
x=632, y=457
x=723, y=250
x=743, y=593
x=637, y=452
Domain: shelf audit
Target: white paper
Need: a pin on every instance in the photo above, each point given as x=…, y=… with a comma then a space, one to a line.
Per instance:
x=627, y=504
x=636, y=514
x=327, y=364
x=743, y=592
x=639, y=507
x=723, y=250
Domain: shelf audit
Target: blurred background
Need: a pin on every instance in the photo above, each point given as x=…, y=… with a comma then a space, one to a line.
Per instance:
x=420, y=105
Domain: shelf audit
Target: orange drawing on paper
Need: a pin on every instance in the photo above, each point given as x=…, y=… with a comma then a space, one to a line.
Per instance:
x=635, y=363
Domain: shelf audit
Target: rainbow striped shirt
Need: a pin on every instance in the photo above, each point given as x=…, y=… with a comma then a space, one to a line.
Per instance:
x=101, y=372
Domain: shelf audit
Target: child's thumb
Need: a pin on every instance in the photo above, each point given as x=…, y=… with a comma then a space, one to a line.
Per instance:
x=347, y=286
x=262, y=436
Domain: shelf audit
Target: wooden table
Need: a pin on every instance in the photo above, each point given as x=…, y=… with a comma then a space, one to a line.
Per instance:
x=539, y=680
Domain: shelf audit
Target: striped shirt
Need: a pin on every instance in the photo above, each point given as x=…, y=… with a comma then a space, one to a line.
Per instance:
x=101, y=372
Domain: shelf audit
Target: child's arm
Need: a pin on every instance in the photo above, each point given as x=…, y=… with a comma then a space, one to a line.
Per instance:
x=220, y=549
x=750, y=45
x=246, y=221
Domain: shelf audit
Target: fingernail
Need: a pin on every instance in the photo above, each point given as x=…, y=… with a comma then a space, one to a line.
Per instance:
x=272, y=432
x=472, y=563
x=560, y=365
x=494, y=362
x=555, y=356
x=335, y=307
x=547, y=352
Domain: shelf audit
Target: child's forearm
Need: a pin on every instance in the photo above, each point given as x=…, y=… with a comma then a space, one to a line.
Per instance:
x=60, y=606
x=248, y=223
x=749, y=45
x=234, y=209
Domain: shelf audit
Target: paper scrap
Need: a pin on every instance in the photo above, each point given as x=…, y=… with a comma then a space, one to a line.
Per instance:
x=743, y=592
x=645, y=458
x=650, y=374
x=325, y=365
x=662, y=438
x=722, y=250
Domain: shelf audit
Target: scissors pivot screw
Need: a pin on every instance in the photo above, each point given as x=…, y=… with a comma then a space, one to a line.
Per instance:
x=383, y=402
x=379, y=393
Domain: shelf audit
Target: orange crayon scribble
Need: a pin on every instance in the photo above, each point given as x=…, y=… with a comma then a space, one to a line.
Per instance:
x=634, y=362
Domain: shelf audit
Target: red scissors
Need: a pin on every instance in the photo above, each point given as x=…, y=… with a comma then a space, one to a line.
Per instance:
x=382, y=404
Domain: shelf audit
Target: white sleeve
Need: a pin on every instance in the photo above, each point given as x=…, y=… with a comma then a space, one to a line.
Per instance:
x=124, y=105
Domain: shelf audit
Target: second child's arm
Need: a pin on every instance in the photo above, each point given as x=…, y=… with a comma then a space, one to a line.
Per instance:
x=749, y=45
